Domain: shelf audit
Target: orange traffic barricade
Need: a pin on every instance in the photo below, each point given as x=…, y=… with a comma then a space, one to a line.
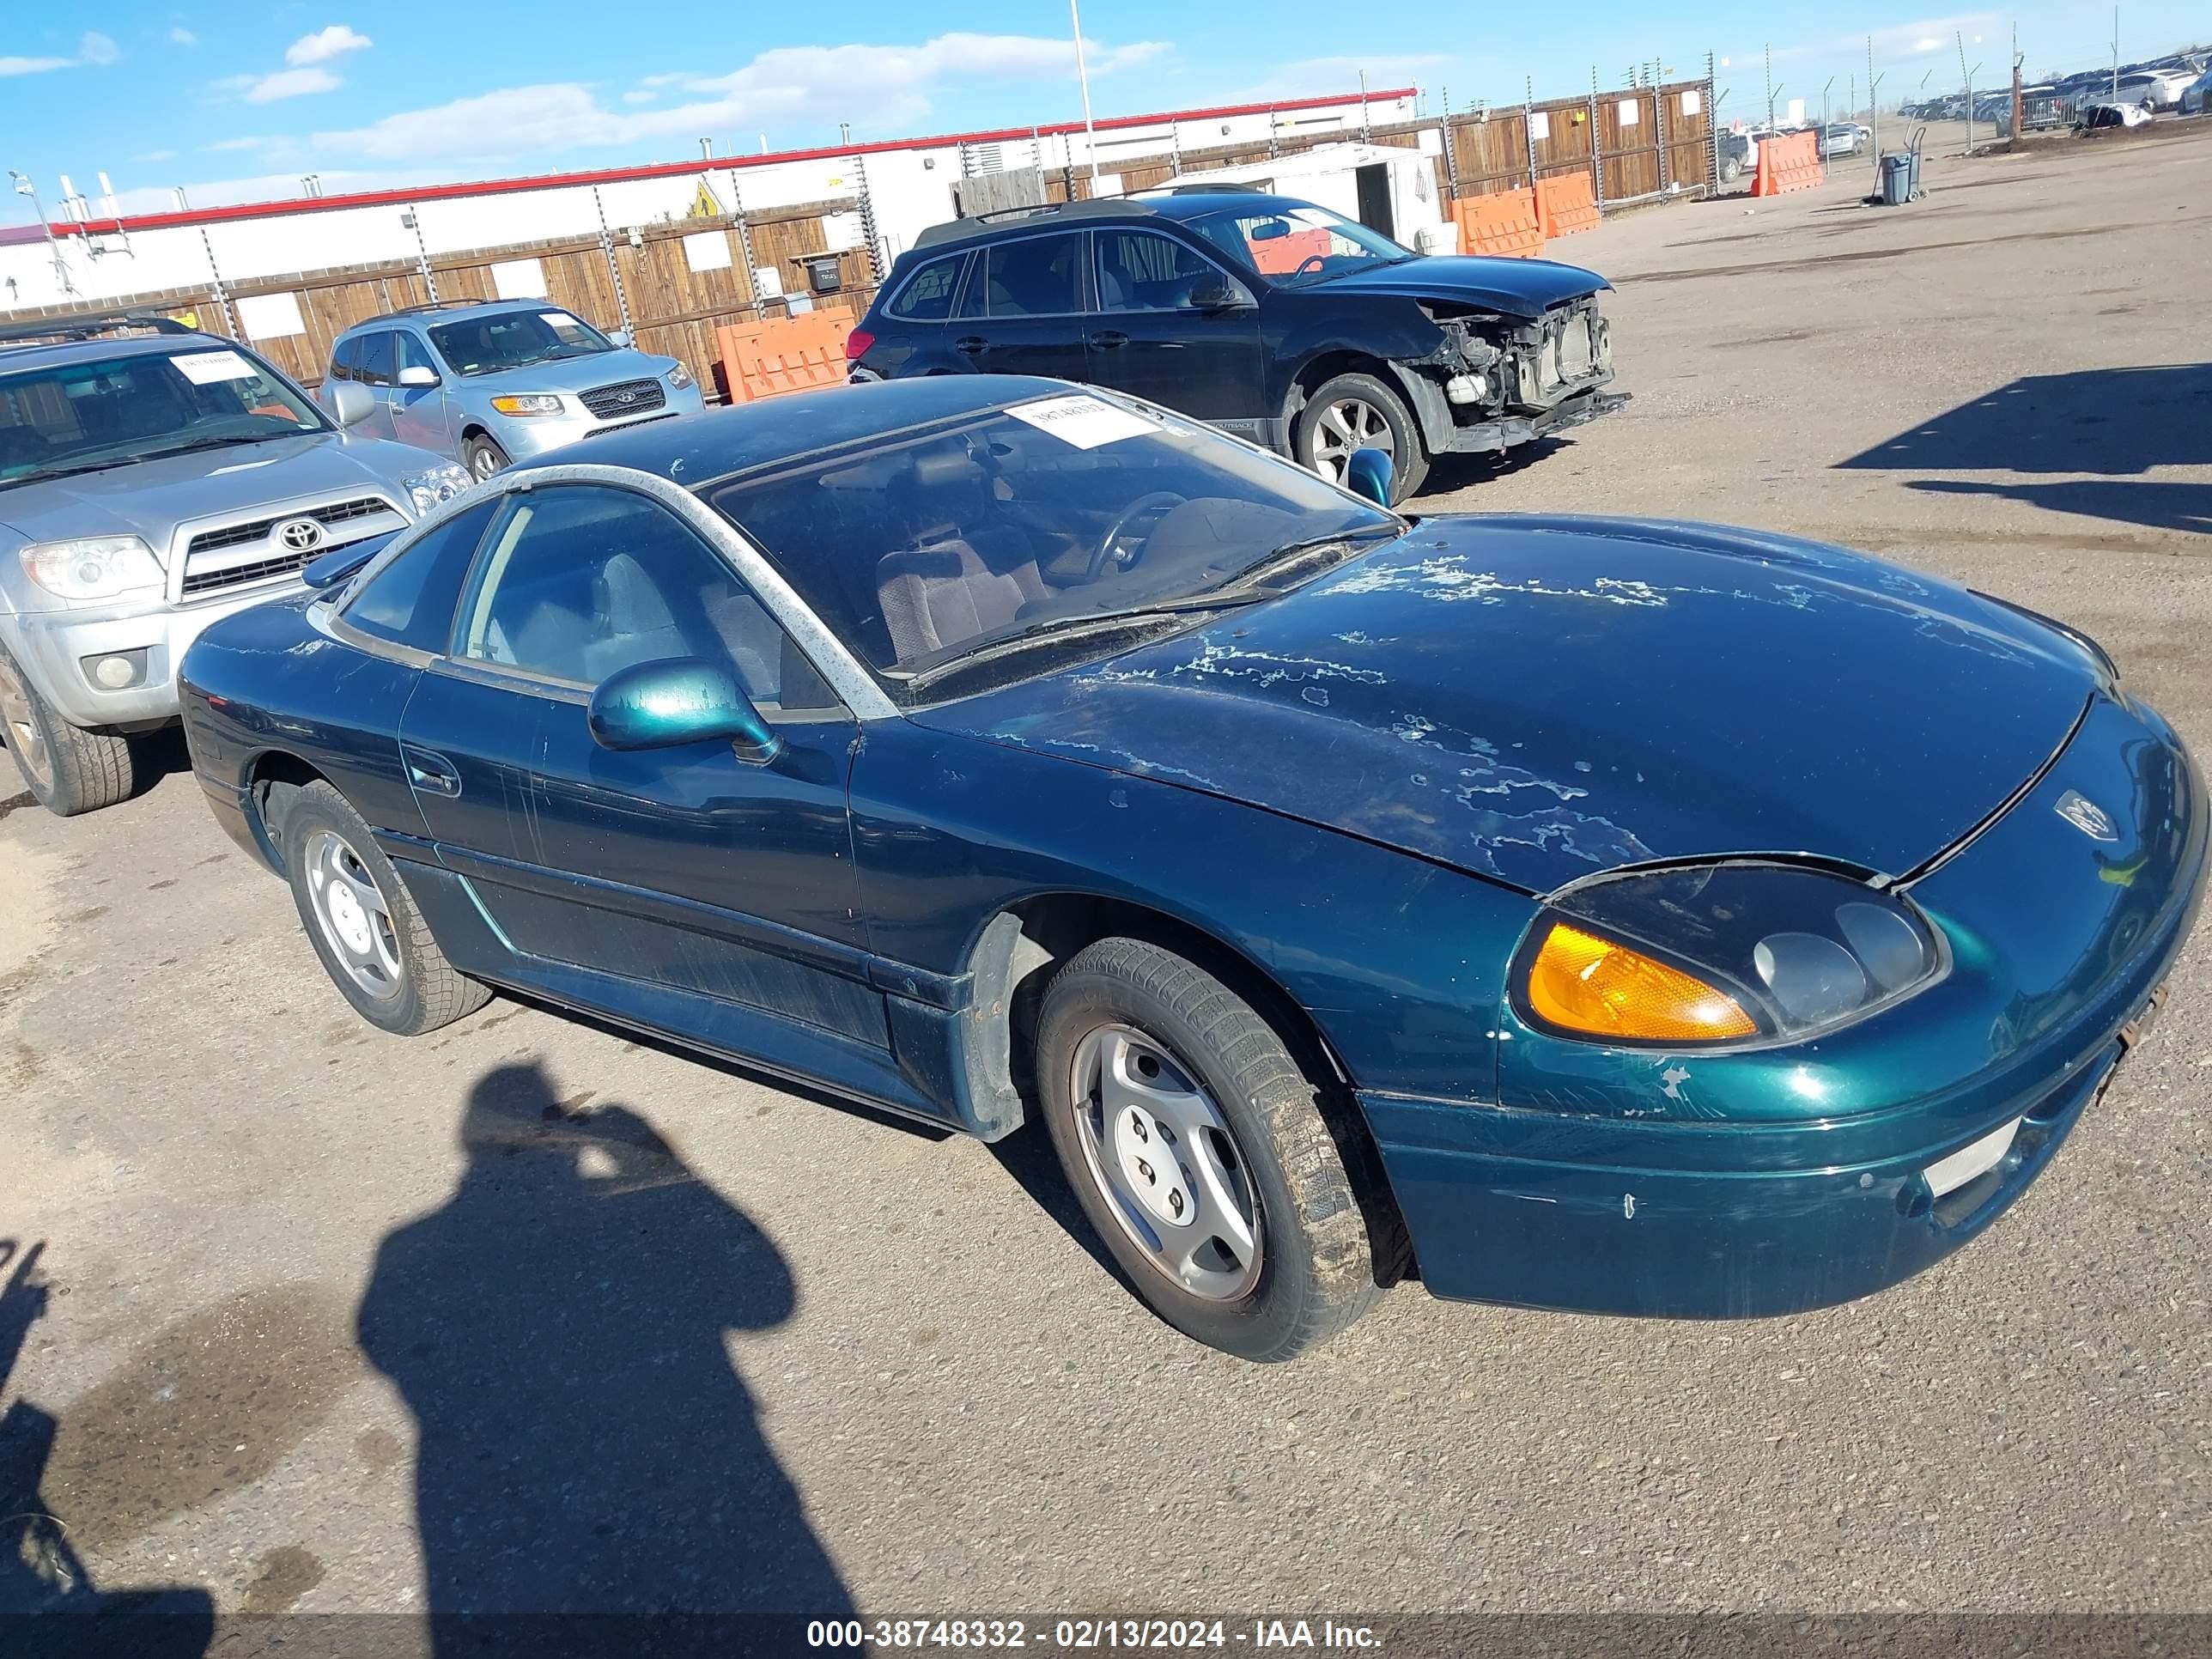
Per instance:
x=1504, y=223
x=783, y=354
x=1284, y=255
x=1787, y=163
x=1566, y=204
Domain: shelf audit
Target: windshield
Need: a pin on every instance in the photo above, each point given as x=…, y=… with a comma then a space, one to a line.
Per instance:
x=918, y=548
x=1297, y=244
x=515, y=339
x=81, y=416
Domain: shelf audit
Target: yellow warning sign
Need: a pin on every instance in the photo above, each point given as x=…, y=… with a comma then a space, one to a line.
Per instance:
x=704, y=204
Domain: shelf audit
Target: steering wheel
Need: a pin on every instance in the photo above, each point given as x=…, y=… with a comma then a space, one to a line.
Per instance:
x=1312, y=261
x=1155, y=505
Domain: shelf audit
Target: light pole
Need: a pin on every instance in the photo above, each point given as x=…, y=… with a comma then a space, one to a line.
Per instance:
x=1083, y=79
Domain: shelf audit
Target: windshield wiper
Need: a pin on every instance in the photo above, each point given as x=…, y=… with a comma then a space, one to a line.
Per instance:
x=198, y=444
x=47, y=474
x=1292, y=557
x=1089, y=621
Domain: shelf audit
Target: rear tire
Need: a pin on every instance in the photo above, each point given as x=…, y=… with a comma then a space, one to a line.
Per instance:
x=364, y=924
x=67, y=769
x=484, y=457
x=1207, y=1160
x=1357, y=411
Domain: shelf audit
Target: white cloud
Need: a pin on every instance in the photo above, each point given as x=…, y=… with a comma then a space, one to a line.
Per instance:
x=891, y=87
x=227, y=144
x=642, y=95
x=183, y=37
x=324, y=44
x=33, y=65
x=1310, y=77
x=97, y=49
x=92, y=49
x=284, y=84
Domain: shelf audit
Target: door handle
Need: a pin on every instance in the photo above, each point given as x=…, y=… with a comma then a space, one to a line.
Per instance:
x=1107, y=338
x=429, y=771
x=970, y=344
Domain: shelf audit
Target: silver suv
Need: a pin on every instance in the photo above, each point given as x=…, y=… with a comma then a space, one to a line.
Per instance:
x=494, y=383
x=150, y=482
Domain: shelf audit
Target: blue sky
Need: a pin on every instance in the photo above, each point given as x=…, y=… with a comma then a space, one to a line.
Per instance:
x=235, y=101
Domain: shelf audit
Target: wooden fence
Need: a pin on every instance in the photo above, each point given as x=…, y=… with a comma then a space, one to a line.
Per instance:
x=674, y=297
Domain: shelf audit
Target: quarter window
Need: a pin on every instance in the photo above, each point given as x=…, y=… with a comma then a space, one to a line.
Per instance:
x=928, y=295
x=578, y=583
x=411, y=600
x=1032, y=276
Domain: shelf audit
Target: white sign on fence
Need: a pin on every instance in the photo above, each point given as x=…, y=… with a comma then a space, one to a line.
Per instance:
x=518, y=279
x=1691, y=102
x=842, y=231
x=1431, y=140
x=1630, y=111
x=1540, y=125
x=707, y=250
x=271, y=316
x=768, y=282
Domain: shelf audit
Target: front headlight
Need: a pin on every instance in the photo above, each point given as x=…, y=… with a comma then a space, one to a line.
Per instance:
x=1721, y=954
x=679, y=377
x=528, y=403
x=94, y=567
x=440, y=483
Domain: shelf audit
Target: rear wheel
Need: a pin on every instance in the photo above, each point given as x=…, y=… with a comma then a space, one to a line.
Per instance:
x=69, y=770
x=362, y=922
x=1359, y=411
x=484, y=457
x=1202, y=1153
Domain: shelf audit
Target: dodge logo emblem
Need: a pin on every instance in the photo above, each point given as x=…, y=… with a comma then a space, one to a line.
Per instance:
x=2085, y=815
x=301, y=535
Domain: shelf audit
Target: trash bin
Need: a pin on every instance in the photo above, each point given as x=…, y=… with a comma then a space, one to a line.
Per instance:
x=1897, y=181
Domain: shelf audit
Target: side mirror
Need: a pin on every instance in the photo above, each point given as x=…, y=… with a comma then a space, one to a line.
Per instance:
x=352, y=403
x=657, y=705
x=418, y=374
x=620, y=337
x=1218, y=296
x=1369, y=473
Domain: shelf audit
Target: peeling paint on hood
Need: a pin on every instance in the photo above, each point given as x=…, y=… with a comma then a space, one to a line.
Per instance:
x=1535, y=699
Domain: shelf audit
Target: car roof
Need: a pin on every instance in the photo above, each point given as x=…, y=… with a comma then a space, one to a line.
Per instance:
x=446, y=310
x=13, y=359
x=699, y=450
x=1174, y=206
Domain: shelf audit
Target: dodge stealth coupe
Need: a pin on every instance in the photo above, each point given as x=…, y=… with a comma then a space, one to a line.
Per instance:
x=1627, y=916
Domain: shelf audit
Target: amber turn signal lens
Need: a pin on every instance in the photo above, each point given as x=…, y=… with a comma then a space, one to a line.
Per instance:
x=1584, y=984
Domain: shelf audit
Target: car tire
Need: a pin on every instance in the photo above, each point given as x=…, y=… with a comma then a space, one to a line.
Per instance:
x=364, y=924
x=1269, y=1147
x=1352, y=412
x=67, y=769
x=484, y=457
x=1731, y=170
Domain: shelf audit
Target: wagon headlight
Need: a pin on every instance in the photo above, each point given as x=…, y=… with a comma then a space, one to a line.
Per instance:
x=93, y=566
x=1721, y=954
x=441, y=484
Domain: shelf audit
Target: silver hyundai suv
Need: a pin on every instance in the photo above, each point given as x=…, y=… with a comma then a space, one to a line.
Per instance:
x=491, y=382
x=151, y=481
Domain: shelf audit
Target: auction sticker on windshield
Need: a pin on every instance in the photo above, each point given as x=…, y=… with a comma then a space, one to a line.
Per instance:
x=208, y=368
x=1083, y=422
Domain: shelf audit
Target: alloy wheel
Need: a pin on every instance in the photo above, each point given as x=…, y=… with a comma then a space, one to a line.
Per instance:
x=1344, y=426
x=354, y=915
x=21, y=729
x=1167, y=1163
x=484, y=462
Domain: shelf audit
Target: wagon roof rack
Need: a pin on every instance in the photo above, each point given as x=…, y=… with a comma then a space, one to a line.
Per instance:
x=1110, y=206
x=55, y=329
x=440, y=305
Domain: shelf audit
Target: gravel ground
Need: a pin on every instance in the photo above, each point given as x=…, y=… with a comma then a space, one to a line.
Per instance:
x=333, y=1321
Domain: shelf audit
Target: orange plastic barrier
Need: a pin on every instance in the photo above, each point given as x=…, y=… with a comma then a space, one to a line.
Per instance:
x=1284, y=255
x=1505, y=224
x=1566, y=204
x=1791, y=163
x=783, y=354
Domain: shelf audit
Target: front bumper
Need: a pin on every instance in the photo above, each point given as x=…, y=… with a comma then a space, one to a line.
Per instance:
x=1686, y=1185
x=50, y=646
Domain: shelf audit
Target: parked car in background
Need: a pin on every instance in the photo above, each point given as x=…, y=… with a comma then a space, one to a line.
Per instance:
x=1736, y=154
x=1624, y=916
x=1842, y=139
x=153, y=479
x=2101, y=116
x=1271, y=318
x=491, y=383
x=2194, y=95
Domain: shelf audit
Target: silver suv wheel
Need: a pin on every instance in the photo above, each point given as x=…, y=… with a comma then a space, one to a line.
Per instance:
x=22, y=731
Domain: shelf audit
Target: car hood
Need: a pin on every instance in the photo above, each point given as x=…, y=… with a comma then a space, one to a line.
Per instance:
x=1535, y=699
x=1514, y=288
x=571, y=374
x=150, y=499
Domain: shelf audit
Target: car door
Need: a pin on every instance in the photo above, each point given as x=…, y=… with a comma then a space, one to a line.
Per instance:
x=1148, y=337
x=682, y=867
x=1022, y=310
x=375, y=368
x=419, y=413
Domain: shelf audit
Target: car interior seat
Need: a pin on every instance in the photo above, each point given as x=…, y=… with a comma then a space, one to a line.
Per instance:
x=964, y=574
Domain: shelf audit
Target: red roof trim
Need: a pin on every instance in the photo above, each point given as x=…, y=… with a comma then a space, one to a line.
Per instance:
x=678, y=169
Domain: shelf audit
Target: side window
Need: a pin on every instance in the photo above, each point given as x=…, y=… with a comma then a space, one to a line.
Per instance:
x=928, y=294
x=373, y=366
x=578, y=583
x=1143, y=271
x=345, y=361
x=411, y=353
x=1033, y=276
x=411, y=600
